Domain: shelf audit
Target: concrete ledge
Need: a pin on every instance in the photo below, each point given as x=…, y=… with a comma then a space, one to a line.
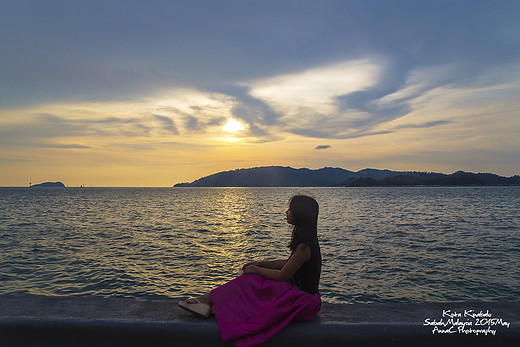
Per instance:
x=31, y=320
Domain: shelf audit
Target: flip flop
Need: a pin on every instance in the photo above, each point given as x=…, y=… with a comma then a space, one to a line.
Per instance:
x=198, y=308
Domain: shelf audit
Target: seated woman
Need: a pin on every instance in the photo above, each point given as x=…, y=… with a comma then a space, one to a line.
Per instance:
x=255, y=306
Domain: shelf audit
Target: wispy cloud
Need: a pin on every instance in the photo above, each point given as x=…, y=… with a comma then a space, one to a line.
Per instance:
x=174, y=113
x=419, y=81
x=423, y=125
x=168, y=125
x=314, y=91
x=309, y=102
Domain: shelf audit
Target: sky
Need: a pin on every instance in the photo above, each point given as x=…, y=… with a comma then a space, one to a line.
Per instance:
x=153, y=93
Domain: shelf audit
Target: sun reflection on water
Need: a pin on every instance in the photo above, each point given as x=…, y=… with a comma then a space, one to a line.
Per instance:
x=402, y=244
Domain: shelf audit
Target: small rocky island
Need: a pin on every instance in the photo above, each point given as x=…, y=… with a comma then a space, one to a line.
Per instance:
x=48, y=185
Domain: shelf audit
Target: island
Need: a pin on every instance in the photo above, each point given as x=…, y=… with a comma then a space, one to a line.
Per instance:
x=49, y=185
x=279, y=176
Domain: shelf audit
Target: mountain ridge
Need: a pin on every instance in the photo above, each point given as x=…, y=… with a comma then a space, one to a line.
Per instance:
x=284, y=176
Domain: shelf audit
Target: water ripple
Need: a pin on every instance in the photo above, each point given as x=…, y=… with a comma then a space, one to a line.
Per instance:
x=378, y=244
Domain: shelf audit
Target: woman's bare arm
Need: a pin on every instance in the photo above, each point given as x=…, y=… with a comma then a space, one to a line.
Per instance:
x=274, y=264
x=269, y=264
x=300, y=255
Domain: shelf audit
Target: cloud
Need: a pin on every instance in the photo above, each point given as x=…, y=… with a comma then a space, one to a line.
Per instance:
x=346, y=100
x=51, y=125
x=192, y=123
x=346, y=135
x=167, y=124
x=314, y=102
x=170, y=113
x=424, y=125
x=74, y=146
x=322, y=147
x=419, y=81
x=314, y=91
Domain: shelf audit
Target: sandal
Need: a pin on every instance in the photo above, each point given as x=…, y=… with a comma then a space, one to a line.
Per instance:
x=197, y=307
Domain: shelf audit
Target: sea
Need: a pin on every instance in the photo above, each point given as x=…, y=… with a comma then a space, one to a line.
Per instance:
x=413, y=244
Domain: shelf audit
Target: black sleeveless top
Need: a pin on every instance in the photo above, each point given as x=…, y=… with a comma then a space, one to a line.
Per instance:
x=307, y=278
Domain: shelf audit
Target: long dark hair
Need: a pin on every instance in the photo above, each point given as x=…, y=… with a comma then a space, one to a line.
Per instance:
x=304, y=211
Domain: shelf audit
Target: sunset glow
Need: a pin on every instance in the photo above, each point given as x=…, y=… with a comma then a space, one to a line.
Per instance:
x=233, y=126
x=92, y=101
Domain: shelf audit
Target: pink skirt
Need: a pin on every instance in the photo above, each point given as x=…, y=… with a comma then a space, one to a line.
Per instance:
x=251, y=309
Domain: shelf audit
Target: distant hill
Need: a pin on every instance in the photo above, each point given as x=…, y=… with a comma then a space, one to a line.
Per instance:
x=48, y=185
x=279, y=176
x=273, y=176
x=459, y=178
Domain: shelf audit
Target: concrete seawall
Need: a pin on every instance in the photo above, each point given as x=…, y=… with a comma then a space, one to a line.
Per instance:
x=32, y=320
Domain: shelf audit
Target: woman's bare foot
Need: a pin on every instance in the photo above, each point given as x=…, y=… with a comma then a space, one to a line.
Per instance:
x=203, y=299
x=201, y=305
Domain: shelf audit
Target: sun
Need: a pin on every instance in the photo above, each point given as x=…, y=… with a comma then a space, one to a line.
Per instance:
x=233, y=126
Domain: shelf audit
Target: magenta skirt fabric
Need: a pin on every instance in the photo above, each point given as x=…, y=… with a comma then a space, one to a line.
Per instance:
x=251, y=309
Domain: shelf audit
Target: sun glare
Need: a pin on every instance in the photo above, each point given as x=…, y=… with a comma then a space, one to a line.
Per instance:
x=233, y=126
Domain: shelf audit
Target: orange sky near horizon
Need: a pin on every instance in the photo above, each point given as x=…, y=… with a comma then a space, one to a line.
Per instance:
x=126, y=146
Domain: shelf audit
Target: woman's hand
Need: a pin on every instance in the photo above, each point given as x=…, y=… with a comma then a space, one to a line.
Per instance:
x=280, y=270
x=251, y=269
x=269, y=264
x=252, y=263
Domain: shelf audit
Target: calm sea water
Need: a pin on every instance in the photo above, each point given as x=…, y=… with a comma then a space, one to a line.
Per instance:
x=379, y=244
